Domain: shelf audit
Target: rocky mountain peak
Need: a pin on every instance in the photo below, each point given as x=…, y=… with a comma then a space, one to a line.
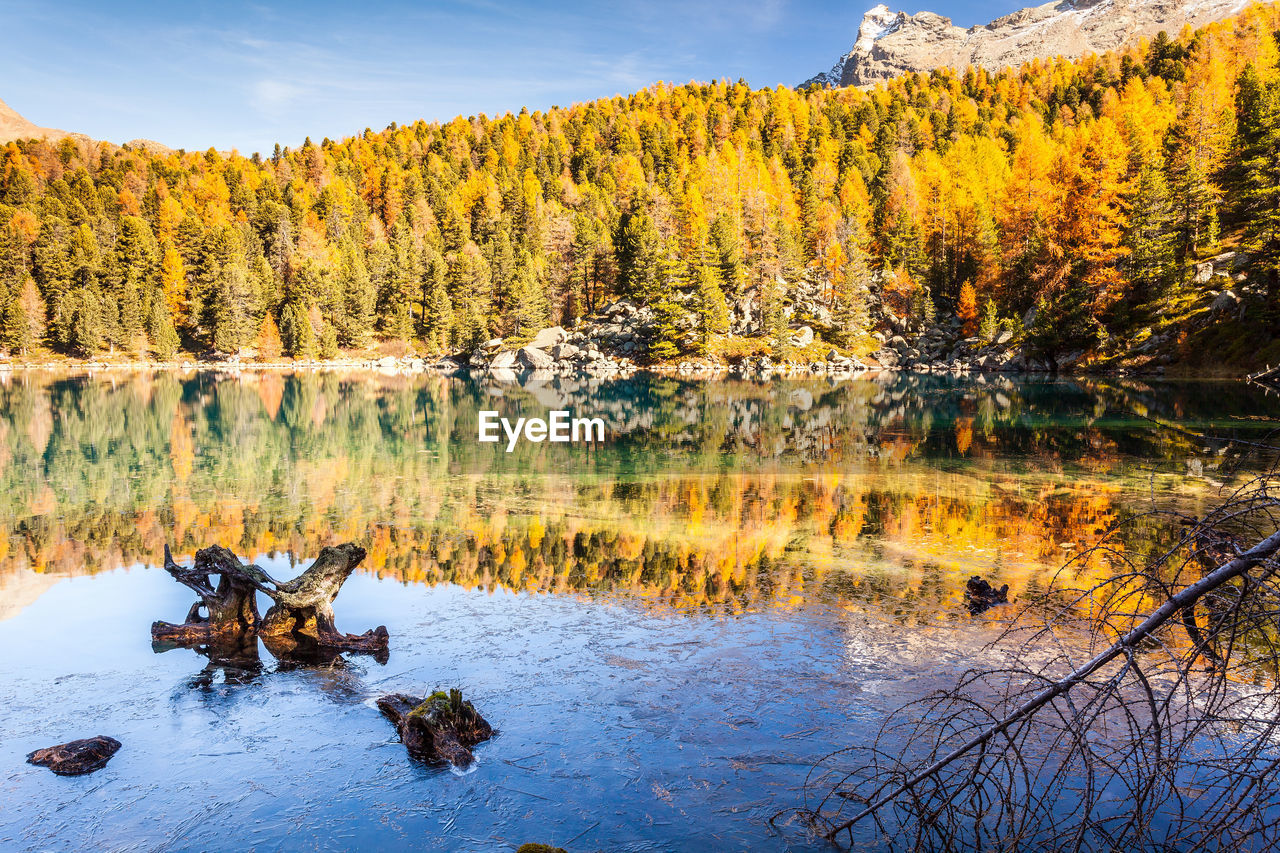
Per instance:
x=891, y=43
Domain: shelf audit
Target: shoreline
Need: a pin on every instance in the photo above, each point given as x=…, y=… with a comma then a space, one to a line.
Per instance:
x=446, y=366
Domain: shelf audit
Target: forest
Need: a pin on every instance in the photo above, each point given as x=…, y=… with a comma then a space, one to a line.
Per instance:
x=1066, y=201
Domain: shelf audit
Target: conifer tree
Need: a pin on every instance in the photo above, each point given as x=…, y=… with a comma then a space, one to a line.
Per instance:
x=713, y=311
x=164, y=337
x=296, y=334
x=528, y=298
x=1259, y=157
x=1151, y=263
x=328, y=341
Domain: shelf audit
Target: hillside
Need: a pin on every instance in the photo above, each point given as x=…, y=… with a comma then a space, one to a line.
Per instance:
x=1116, y=210
x=14, y=126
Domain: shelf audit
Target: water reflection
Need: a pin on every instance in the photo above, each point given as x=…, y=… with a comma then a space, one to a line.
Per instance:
x=708, y=497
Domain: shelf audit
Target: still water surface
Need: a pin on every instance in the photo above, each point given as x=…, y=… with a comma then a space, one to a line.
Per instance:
x=666, y=630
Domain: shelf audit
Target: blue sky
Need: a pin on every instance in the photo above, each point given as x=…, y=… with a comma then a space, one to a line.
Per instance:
x=247, y=75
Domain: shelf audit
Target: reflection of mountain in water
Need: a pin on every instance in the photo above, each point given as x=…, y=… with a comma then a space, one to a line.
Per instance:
x=718, y=496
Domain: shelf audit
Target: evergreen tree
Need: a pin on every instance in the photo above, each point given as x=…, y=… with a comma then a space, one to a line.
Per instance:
x=1151, y=263
x=713, y=311
x=229, y=311
x=85, y=337
x=296, y=333
x=667, y=312
x=1259, y=157
x=329, y=341
x=437, y=317
x=164, y=337
x=528, y=298
x=640, y=256
x=989, y=325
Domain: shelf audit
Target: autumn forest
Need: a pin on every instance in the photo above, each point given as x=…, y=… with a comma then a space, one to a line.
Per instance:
x=1065, y=201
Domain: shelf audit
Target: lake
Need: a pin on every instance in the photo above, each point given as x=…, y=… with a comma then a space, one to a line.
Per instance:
x=667, y=629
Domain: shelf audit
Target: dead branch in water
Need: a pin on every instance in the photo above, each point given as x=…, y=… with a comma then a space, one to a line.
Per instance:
x=1140, y=711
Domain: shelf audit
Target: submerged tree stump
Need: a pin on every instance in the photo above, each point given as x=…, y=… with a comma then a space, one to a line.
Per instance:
x=300, y=619
x=980, y=595
x=227, y=607
x=304, y=605
x=77, y=757
x=441, y=727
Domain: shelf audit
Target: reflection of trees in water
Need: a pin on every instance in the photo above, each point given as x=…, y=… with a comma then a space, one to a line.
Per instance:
x=709, y=495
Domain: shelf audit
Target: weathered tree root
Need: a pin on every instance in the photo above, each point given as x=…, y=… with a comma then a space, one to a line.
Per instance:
x=300, y=620
x=441, y=727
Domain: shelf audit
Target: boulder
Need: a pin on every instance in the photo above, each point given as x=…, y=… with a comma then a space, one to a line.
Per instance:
x=505, y=359
x=1225, y=302
x=77, y=757
x=548, y=338
x=534, y=358
x=1203, y=272
x=564, y=351
x=802, y=336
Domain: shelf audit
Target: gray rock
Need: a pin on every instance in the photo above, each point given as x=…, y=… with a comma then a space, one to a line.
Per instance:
x=1203, y=272
x=503, y=360
x=803, y=336
x=1225, y=302
x=534, y=358
x=548, y=338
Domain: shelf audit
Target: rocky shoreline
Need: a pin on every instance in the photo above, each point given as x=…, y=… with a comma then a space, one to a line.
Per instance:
x=614, y=342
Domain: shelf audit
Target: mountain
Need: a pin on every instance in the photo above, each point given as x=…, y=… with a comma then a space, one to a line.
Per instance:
x=890, y=43
x=14, y=126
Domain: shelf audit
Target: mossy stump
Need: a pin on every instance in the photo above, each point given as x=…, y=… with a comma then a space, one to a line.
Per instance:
x=439, y=728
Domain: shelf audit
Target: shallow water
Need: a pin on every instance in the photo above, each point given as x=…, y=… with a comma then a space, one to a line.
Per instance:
x=666, y=630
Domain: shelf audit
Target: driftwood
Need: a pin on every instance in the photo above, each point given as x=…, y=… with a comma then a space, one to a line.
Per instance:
x=77, y=757
x=441, y=727
x=300, y=621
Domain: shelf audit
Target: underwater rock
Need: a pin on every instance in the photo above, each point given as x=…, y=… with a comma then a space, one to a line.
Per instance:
x=77, y=757
x=540, y=848
x=980, y=595
x=441, y=727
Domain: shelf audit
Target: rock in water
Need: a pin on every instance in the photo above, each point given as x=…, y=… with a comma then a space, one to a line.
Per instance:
x=980, y=595
x=77, y=757
x=441, y=727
